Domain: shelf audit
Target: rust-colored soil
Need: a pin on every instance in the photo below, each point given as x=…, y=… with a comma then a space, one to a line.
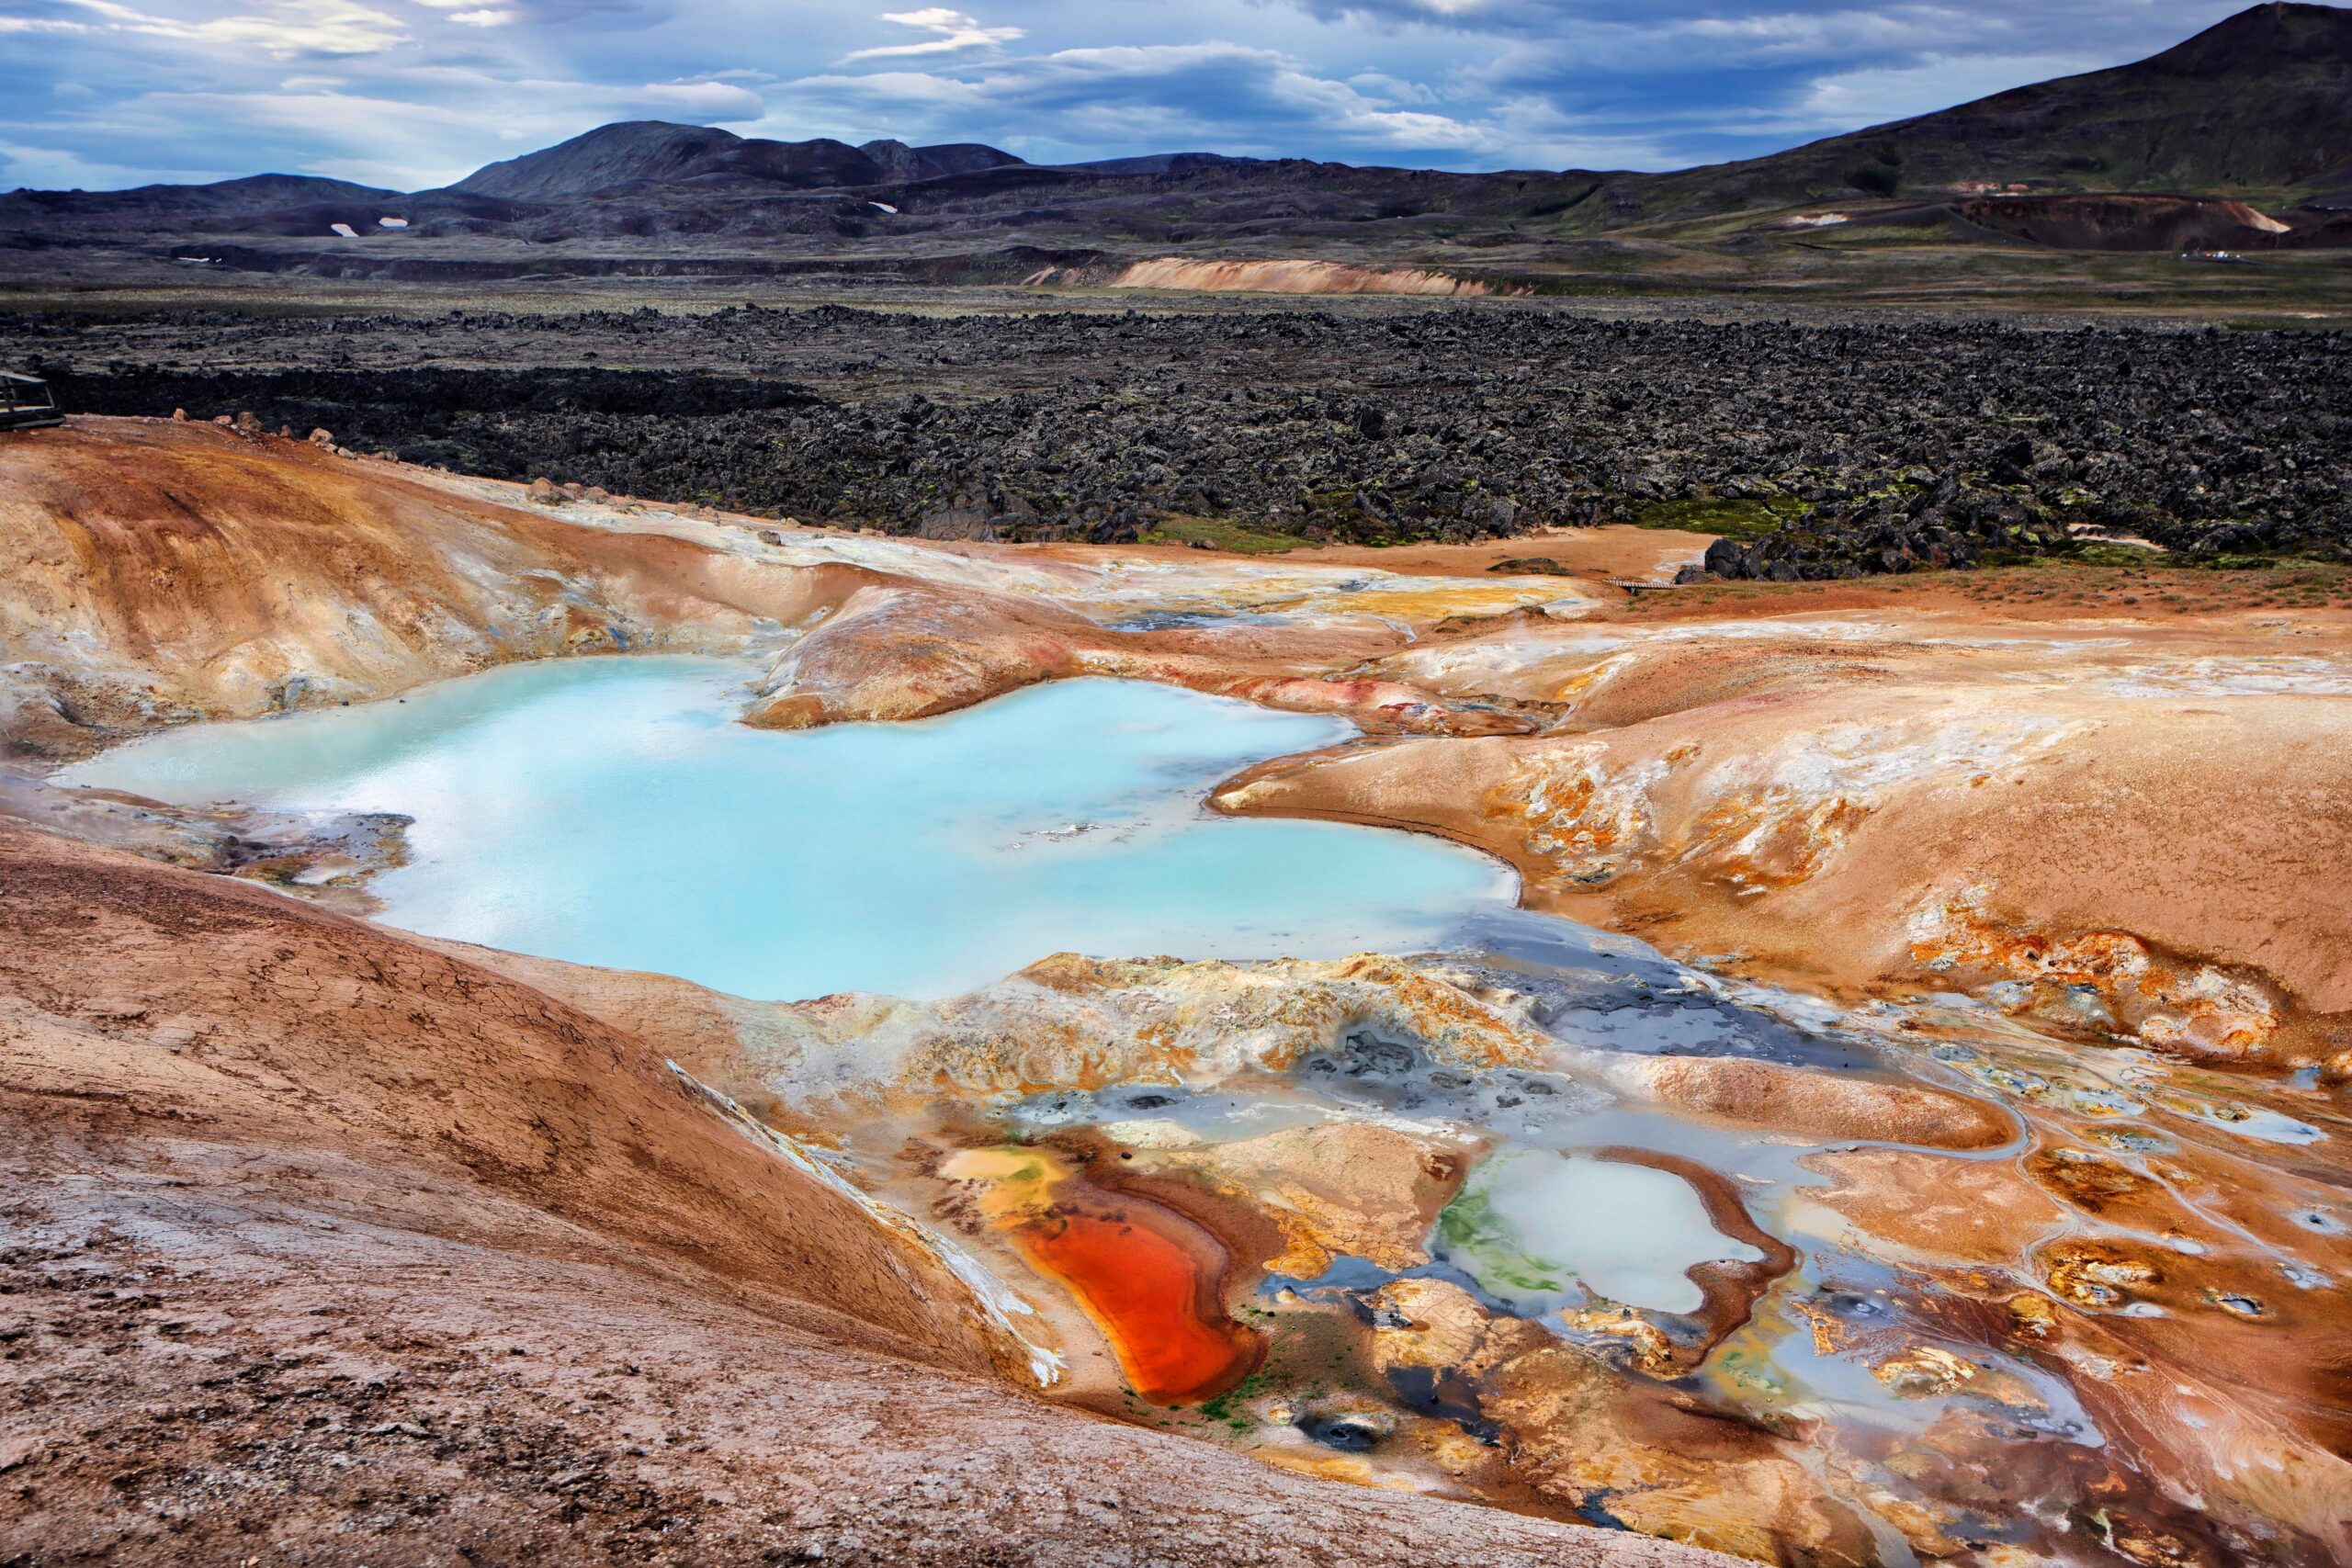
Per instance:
x=1886, y=798
x=2054, y=591
x=1617, y=551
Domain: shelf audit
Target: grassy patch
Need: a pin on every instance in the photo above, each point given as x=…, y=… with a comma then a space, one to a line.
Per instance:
x=1474, y=1231
x=2101, y=552
x=1743, y=519
x=1220, y=533
x=1221, y=1407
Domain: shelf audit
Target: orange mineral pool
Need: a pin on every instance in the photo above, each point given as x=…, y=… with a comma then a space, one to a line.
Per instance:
x=1154, y=1298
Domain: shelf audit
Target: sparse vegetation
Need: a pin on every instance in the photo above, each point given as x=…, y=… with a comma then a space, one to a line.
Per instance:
x=1745, y=518
x=1217, y=533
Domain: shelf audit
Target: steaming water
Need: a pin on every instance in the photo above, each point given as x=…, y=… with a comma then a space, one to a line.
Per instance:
x=612, y=811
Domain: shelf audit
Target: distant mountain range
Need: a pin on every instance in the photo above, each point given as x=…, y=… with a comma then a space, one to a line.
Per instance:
x=2240, y=136
x=654, y=154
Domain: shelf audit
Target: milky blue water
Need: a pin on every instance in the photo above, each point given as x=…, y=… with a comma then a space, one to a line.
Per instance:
x=612, y=811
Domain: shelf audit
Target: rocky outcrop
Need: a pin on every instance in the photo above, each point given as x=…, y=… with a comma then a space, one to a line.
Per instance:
x=1074, y=1023
x=1071, y=1021
x=158, y=571
x=902, y=650
x=1981, y=440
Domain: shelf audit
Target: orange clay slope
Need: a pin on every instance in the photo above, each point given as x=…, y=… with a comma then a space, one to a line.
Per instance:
x=2130, y=826
x=154, y=572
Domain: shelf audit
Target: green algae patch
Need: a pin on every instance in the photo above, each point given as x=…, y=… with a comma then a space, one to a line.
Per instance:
x=1477, y=1240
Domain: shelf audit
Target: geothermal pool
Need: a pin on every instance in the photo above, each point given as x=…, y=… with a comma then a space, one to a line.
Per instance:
x=612, y=811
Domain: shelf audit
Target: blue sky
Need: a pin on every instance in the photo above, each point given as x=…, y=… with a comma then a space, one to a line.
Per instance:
x=412, y=93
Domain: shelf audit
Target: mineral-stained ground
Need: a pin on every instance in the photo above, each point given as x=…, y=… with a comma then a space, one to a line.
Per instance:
x=1994, y=1045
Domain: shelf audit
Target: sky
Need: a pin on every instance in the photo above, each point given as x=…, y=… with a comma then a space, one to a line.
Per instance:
x=410, y=94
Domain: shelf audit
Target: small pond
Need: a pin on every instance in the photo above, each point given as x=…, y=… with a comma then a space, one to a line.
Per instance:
x=613, y=811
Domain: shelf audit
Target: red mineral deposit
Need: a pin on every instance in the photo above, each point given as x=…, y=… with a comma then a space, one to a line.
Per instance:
x=1153, y=1296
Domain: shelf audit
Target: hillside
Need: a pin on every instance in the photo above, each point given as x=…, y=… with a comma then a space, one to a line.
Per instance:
x=480, y=1270
x=254, y=192
x=2259, y=105
x=657, y=153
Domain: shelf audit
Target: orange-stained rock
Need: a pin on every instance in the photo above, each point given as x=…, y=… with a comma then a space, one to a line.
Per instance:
x=1877, y=837
x=1583, y=1433
x=1905, y=1205
x=1331, y=1188
x=1813, y=1103
x=153, y=572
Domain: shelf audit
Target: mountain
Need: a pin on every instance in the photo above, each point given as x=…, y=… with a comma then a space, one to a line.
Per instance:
x=901, y=162
x=254, y=192
x=648, y=152
x=621, y=153
x=2259, y=104
x=1165, y=164
x=284, y=205
x=2237, y=139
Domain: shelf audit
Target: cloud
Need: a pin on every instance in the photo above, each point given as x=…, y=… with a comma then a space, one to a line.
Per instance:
x=717, y=100
x=54, y=168
x=1874, y=96
x=956, y=33
x=292, y=28
x=423, y=90
x=471, y=117
x=1219, y=94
